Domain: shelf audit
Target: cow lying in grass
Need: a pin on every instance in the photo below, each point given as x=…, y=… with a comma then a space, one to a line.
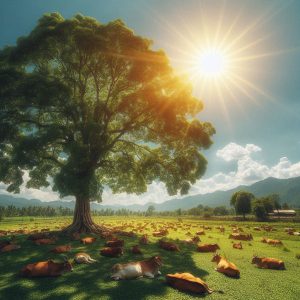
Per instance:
x=4, y=243
x=136, y=250
x=144, y=240
x=61, y=249
x=268, y=263
x=45, y=241
x=46, y=269
x=161, y=233
x=115, y=243
x=148, y=268
x=237, y=245
x=208, y=248
x=271, y=242
x=226, y=267
x=241, y=236
x=168, y=246
x=188, y=283
x=9, y=248
x=201, y=232
x=83, y=258
x=38, y=236
x=88, y=240
x=112, y=251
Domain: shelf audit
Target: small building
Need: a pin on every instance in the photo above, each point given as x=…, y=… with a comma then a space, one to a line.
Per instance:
x=283, y=213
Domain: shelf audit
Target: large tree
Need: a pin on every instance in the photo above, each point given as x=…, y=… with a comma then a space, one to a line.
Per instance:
x=86, y=106
x=241, y=201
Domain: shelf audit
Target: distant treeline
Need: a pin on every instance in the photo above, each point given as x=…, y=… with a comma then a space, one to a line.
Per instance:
x=34, y=211
x=48, y=211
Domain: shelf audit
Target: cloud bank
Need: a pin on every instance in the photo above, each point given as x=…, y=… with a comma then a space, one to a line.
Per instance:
x=248, y=170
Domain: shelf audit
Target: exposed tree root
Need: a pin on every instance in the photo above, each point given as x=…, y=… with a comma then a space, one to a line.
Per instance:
x=82, y=221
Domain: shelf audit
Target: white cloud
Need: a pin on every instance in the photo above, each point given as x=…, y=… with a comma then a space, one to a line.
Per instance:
x=248, y=170
x=233, y=151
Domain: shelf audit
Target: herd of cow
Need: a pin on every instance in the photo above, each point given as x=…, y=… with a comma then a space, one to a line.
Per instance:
x=114, y=247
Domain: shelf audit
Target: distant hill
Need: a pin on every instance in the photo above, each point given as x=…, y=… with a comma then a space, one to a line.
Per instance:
x=288, y=190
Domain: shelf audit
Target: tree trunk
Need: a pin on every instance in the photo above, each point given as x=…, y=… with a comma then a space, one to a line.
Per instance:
x=82, y=220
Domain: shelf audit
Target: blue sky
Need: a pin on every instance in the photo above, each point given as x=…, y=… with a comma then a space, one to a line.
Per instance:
x=262, y=109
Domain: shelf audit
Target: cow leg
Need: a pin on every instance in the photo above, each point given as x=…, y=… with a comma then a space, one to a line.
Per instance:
x=149, y=275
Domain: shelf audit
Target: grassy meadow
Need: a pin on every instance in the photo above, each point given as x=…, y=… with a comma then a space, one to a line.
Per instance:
x=93, y=282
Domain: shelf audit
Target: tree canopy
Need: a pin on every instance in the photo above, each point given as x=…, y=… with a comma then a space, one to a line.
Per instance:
x=86, y=105
x=241, y=201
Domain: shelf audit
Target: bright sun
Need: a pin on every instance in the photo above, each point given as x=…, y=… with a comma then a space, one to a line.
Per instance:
x=211, y=63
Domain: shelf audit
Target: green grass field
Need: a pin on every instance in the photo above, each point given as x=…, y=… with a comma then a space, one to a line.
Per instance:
x=93, y=282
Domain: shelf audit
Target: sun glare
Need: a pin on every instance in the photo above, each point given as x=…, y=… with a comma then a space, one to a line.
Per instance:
x=211, y=63
x=226, y=54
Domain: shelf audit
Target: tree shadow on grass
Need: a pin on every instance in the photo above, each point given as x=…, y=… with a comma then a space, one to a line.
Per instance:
x=91, y=281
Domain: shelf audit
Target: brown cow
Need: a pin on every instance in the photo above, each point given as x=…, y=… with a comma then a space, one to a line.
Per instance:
x=112, y=251
x=46, y=269
x=168, y=246
x=241, y=236
x=144, y=240
x=9, y=247
x=208, y=248
x=45, y=241
x=226, y=267
x=271, y=242
x=148, y=268
x=188, y=283
x=237, y=245
x=61, y=249
x=38, y=236
x=115, y=243
x=107, y=235
x=161, y=233
x=88, y=240
x=136, y=250
x=268, y=263
x=201, y=232
x=4, y=243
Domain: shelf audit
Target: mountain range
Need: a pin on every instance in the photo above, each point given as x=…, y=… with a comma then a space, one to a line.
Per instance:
x=288, y=190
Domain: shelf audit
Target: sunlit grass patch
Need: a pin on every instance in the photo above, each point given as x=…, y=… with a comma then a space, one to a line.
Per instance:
x=93, y=281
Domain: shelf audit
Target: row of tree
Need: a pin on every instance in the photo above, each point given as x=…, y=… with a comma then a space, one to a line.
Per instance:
x=245, y=203
x=39, y=211
x=34, y=211
x=200, y=210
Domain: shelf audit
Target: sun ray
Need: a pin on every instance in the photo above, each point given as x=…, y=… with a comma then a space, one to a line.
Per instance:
x=244, y=91
x=237, y=38
x=249, y=45
x=263, y=18
x=266, y=54
x=253, y=87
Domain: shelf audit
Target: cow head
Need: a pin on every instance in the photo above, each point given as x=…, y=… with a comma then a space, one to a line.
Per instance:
x=67, y=265
x=156, y=260
x=216, y=258
x=255, y=259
